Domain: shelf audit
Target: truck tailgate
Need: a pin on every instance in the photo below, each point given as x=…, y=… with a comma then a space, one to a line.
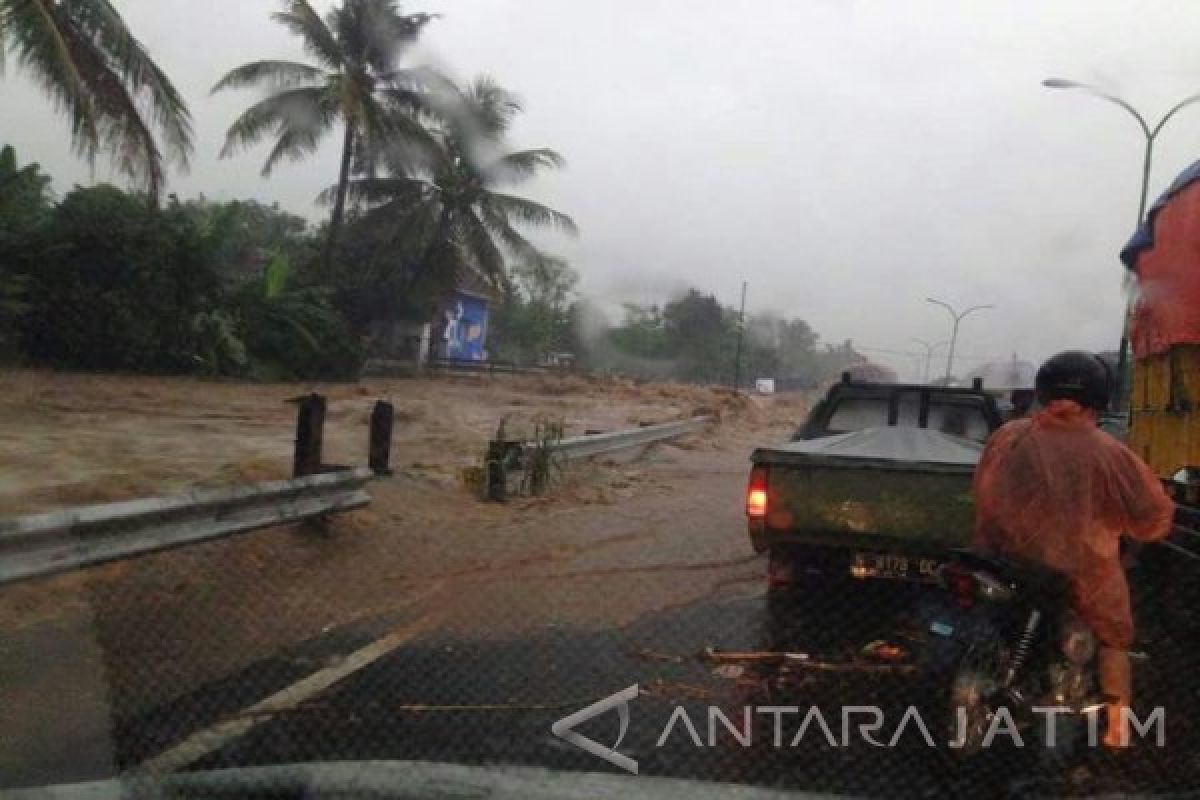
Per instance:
x=905, y=484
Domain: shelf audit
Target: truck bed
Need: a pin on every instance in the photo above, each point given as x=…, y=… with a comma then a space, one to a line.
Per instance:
x=883, y=486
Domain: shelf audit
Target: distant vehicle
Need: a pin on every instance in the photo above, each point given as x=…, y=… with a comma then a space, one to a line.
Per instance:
x=876, y=483
x=559, y=360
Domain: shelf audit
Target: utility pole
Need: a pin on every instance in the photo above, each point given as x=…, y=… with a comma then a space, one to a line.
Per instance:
x=737, y=359
x=929, y=348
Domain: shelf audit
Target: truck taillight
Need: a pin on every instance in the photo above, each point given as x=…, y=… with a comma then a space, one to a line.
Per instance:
x=756, y=493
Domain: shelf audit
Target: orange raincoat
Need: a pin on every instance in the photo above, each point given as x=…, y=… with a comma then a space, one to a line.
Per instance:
x=1057, y=490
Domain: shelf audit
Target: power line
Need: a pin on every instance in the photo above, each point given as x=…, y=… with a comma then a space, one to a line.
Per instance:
x=921, y=355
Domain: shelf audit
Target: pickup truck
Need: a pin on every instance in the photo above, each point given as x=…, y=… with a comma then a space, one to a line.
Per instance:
x=876, y=483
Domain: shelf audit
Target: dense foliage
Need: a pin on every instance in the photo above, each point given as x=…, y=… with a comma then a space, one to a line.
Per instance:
x=695, y=338
x=423, y=206
x=105, y=281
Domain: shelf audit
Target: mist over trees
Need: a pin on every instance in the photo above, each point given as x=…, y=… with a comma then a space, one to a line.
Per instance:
x=105, y=278
x=692, y=337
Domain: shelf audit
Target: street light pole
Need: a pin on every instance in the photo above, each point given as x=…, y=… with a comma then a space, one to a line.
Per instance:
x=958, y=318
x=929, y=348
x=1150, y=134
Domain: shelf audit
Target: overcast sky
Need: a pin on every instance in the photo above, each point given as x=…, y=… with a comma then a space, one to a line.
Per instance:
x=846, y=158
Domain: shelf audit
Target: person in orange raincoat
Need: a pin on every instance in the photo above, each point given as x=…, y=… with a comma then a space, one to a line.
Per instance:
x=1057, y=490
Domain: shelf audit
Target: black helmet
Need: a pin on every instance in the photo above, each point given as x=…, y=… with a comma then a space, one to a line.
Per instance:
x=1074, y=375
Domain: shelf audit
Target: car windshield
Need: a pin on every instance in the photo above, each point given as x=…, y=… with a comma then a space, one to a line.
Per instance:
x=444, y=395
x=860, y=413
x=957, y=415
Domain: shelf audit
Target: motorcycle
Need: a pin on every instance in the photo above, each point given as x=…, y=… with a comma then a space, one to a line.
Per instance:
x=1024, y=652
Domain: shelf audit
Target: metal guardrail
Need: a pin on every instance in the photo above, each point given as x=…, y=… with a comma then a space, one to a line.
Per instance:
x=600, y=443
x=58, y=541
x=460, y=365
x=467, y=365
x=505, y=457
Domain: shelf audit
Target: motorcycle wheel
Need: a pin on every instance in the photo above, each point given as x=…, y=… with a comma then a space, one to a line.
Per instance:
x=1069, y=732
x=976, y=679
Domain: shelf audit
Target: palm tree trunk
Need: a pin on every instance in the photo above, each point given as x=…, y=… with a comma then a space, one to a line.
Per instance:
x=339, y=204
x=439, y=232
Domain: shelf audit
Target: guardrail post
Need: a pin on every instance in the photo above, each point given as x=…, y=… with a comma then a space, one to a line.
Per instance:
x=379, y=447
x=310, y=435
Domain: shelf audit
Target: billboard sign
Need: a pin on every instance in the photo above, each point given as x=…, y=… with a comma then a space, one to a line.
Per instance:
x=464, y=327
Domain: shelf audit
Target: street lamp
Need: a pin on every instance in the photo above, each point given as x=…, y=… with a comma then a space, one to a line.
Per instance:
x=958, y=318
x=929, y=348
x=1150, y=133
x=1147, y=159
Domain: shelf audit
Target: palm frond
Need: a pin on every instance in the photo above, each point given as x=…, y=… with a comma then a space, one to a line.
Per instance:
x=100, y=76
x=410, y=222
x=36, y=31
x=395, y=139
x=319, y=41
x=422, y=79
x=512, y=239
x=305, y=108
x=274, y=74
x=525, y=164
x=398, y=192
x=483, y=250
x=144, y=79
x=278, y=271
x=128, y=140
x=419, y=92
x=373, y=33
x=491, y=107
x=528, y=212
x=295, y=142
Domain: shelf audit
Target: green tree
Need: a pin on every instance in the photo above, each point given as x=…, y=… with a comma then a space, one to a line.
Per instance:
x=101, y=77
x=292, y=331
x=119, y=285
x=535, y=317
x=836, y=359
x=449, y=207
x=24, y=193
x=24, y=209
x=701, y=335
x=798, y=352
x=251, y=233
x=355, y=81
x=642, y=332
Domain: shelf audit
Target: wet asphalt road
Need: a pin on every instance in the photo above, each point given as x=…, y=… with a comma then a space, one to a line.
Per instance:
x=498, y=654
x=482, y=701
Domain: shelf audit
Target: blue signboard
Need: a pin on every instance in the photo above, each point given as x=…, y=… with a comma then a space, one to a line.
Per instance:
x=464, y=331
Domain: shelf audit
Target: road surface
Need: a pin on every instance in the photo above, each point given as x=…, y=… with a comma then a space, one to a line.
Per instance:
x=471, y=660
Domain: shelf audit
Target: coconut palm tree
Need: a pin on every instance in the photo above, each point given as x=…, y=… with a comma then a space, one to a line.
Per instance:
x=453, y=202
x=353, y=81
x=101, y=78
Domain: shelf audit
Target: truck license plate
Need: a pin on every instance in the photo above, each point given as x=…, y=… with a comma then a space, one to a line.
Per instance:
x=890, y=565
